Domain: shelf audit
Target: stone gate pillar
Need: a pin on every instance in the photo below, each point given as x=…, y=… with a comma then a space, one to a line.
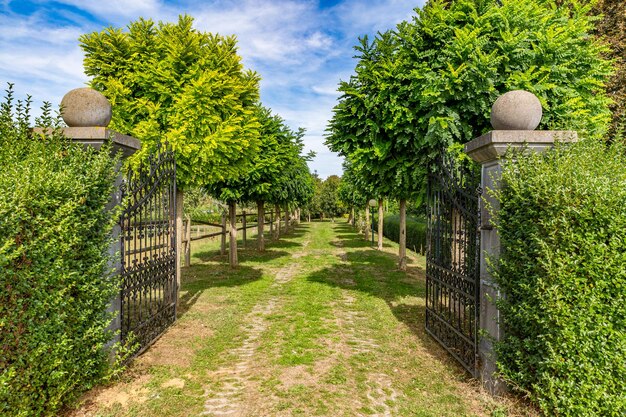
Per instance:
x=87, y=114
x=514, y=116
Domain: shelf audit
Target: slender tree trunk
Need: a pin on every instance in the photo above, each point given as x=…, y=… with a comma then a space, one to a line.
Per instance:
x=179, y=235
x=271, y=224
x=381, y=215
x=260, y=225
x=402, y=263
x=286, y=219
x=277, y=209
x=188, y=241
x=232, y=214
x=244, y=229
x=367, y=221
x=309, y=218
x=223, y=236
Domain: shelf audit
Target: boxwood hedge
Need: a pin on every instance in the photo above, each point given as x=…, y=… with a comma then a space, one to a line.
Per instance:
x=54, y=290
x=562, y=225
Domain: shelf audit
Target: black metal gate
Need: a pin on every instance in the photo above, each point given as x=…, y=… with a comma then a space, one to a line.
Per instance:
x=148, y=249
x=453, y=260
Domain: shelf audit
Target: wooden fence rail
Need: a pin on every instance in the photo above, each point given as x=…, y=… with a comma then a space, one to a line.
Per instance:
x=190, y=235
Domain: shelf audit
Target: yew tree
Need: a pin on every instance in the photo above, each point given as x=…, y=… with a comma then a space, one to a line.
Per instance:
x=171, y=82
x=430, y=83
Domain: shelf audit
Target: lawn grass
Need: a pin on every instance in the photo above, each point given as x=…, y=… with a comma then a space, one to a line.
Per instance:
x=318, y=325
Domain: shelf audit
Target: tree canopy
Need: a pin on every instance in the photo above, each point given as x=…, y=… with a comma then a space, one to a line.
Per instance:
x=273, y=168
x=431, y=82
x=170, y=82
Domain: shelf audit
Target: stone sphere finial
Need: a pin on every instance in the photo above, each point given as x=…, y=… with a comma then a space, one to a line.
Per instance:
x=516, y=110
x=85, y=107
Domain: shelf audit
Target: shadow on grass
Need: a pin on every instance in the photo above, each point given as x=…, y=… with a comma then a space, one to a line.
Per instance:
x=376, y=273
x=214, y=271
x=198, y=278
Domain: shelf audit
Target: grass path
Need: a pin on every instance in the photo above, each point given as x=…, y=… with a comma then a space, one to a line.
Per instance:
x=318, y=325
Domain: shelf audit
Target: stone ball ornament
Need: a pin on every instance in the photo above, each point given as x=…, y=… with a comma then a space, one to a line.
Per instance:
x=516, y=110
x=85, y=107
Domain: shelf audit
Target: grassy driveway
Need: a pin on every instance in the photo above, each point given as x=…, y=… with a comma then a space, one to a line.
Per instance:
x=318, y=325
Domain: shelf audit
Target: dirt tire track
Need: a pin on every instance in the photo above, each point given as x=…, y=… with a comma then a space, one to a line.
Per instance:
x=235, y=378
x=380, y=392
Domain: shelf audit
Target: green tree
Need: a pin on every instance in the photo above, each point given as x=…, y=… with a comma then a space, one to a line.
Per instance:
x=313, y=207
x=272, y=173
x=171, y=82
x=612, y=28
x=329, y=197
x=431, y=82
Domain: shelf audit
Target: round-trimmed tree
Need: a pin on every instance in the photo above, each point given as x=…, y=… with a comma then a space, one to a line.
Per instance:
x=431, y=82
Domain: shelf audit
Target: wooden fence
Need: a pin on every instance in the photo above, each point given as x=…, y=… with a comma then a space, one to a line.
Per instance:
x=197, y=230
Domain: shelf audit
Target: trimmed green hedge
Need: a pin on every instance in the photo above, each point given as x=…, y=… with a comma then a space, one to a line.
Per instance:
x=54, y=240
x=416, y=231
x=562, y=224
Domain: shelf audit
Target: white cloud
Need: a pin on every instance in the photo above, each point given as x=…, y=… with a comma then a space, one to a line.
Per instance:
x=118, y=9
x=300, y=51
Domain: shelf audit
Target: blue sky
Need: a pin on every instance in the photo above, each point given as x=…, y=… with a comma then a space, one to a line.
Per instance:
x=301, y=49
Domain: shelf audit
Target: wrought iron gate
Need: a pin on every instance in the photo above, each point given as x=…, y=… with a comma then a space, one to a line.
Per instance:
x=453, y=260
x=148, y=249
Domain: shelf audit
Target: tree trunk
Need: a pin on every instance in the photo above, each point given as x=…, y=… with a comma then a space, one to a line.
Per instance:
x=286, y=219
x=188, y=241
x=179, y=235
x=223, y=236
x=244, y=229
x=367, y=221
x=402, y=263
x=381, y=215
x=309, y=218
x=260, y=225
x=277, y=209
x=232, y=214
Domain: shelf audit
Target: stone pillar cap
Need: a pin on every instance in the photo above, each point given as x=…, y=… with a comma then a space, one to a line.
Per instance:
x=493, y=145
x=85, y=107
x=516, y=110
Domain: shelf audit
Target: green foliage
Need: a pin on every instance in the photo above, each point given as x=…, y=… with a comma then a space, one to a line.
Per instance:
x=431, y=83
x=416, y=231
x=170, y=81
x=314, y=206
x=278, y=172
x=330, y=203
x=350, y=193
x=612, y=28
x=562, y=223
x=54, y=281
